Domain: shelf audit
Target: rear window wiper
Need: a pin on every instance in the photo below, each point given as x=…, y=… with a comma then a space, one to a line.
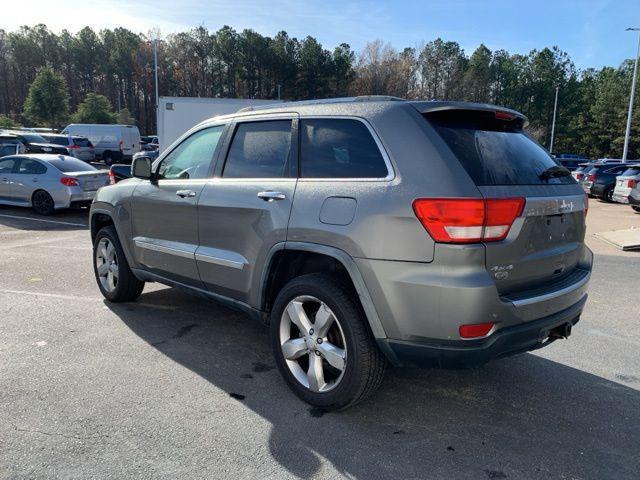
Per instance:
x=554, y=172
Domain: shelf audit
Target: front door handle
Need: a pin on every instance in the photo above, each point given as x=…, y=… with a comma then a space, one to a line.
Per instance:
x=185, y=193
x=271, y=196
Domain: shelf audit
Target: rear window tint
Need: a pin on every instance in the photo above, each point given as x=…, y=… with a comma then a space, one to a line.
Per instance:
x=629, y=172
x=57, y=140
x=81, y=142
x=259, y=150
x=339, y=148
x=494, y=152
x=69, y=164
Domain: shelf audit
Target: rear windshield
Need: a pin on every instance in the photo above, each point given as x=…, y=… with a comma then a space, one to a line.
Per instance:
x=57, y=140
x=81, y=142
x=69, y=164
x=33, y=137
x=631, y=171
x=495, y=152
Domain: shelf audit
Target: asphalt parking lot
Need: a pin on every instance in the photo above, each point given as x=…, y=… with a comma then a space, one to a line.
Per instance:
x=178, y=387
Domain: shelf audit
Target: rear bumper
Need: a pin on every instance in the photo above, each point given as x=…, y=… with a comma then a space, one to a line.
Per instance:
x=620, y=197
x=73, y=196
x=463, y=354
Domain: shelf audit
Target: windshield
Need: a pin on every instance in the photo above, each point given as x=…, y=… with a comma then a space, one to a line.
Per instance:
x=496, y=152
x=69, y=164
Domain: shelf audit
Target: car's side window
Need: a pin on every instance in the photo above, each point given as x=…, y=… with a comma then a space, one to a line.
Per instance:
x=31, y=167
x=339, y=148
x=192, y=158
x=7, y=165
x=259, y=150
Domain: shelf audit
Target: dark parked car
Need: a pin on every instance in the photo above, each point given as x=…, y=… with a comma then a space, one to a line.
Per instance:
x=571, y=161
x=591, y=175
x=118, y=172
x=363, y=231
x=604, y=180
x=35, y=143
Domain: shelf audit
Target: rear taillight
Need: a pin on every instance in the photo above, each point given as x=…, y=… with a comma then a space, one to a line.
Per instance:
x=632, y=183
x=476, y=330
x=69, y=181
x=579, y=176
x=112, y=178
x=468, y=220
x=73, y=146
x=591, y=177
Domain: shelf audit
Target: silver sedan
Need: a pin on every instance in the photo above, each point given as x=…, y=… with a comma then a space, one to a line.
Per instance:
x=48, y=182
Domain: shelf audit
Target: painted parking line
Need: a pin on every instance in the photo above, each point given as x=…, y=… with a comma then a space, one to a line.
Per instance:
x=45, y=221
x=50, y=295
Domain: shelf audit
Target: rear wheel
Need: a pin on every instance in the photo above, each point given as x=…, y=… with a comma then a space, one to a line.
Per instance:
x=107, y=156
x=636, y=208
x=608, y=195
x=115, y=279
x=322, y=343
x=42, y=203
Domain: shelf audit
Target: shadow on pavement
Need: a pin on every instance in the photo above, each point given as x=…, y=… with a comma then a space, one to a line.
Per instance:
x=525, y=417
x=26, y=219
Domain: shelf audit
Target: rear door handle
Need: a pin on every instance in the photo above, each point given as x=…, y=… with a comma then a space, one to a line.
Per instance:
x=271, y=196
x=185, y=193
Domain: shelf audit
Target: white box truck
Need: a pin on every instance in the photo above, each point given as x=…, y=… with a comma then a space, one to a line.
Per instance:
x=112, y=143
x=176, y=115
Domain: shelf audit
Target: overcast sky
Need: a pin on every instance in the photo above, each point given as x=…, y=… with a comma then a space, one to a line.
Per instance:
x=591, y=31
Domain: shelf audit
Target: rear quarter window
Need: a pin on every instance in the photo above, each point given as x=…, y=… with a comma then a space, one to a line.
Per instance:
x=339, y=148
x=492, y=151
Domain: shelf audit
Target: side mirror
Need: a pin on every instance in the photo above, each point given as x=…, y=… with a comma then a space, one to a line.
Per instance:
x=141, y=168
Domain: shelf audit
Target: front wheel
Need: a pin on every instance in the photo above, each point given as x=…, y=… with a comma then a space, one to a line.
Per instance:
x=115, y=279
x=322, y=343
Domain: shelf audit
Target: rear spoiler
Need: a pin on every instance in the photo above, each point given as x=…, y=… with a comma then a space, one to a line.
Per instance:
x=426, y=107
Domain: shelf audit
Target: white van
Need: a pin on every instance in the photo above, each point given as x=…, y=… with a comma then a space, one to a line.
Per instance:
x=112, y=143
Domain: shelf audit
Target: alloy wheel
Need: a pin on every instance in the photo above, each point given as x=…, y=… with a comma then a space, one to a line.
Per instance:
x=107, y=265
x=313, y=344
x=42, y=202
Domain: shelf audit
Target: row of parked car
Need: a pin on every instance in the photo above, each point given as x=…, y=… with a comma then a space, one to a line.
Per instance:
x=110, y=143
x=611, y=181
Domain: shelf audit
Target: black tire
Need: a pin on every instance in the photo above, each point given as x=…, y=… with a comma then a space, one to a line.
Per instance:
x=608, y=195
x=107, y=156
x=636, y=208
x=127, y=288
x=42, y=202
x=365, y=364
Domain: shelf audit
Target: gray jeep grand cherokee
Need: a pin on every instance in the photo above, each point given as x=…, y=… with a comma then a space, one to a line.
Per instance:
x=363, y=231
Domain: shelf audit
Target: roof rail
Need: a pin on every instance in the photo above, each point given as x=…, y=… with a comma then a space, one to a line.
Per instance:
x=378, y=98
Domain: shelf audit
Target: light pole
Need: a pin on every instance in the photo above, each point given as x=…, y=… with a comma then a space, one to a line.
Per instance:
x=155, y=69
x=553, y=124
x=633, y=91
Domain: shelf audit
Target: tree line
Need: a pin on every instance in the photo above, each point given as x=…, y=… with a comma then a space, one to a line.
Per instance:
x=112, y=71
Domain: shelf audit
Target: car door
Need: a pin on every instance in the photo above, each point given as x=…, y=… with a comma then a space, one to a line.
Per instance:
x=244, y=211
x=29, y=176
x=165, y=219
x=7, y=178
